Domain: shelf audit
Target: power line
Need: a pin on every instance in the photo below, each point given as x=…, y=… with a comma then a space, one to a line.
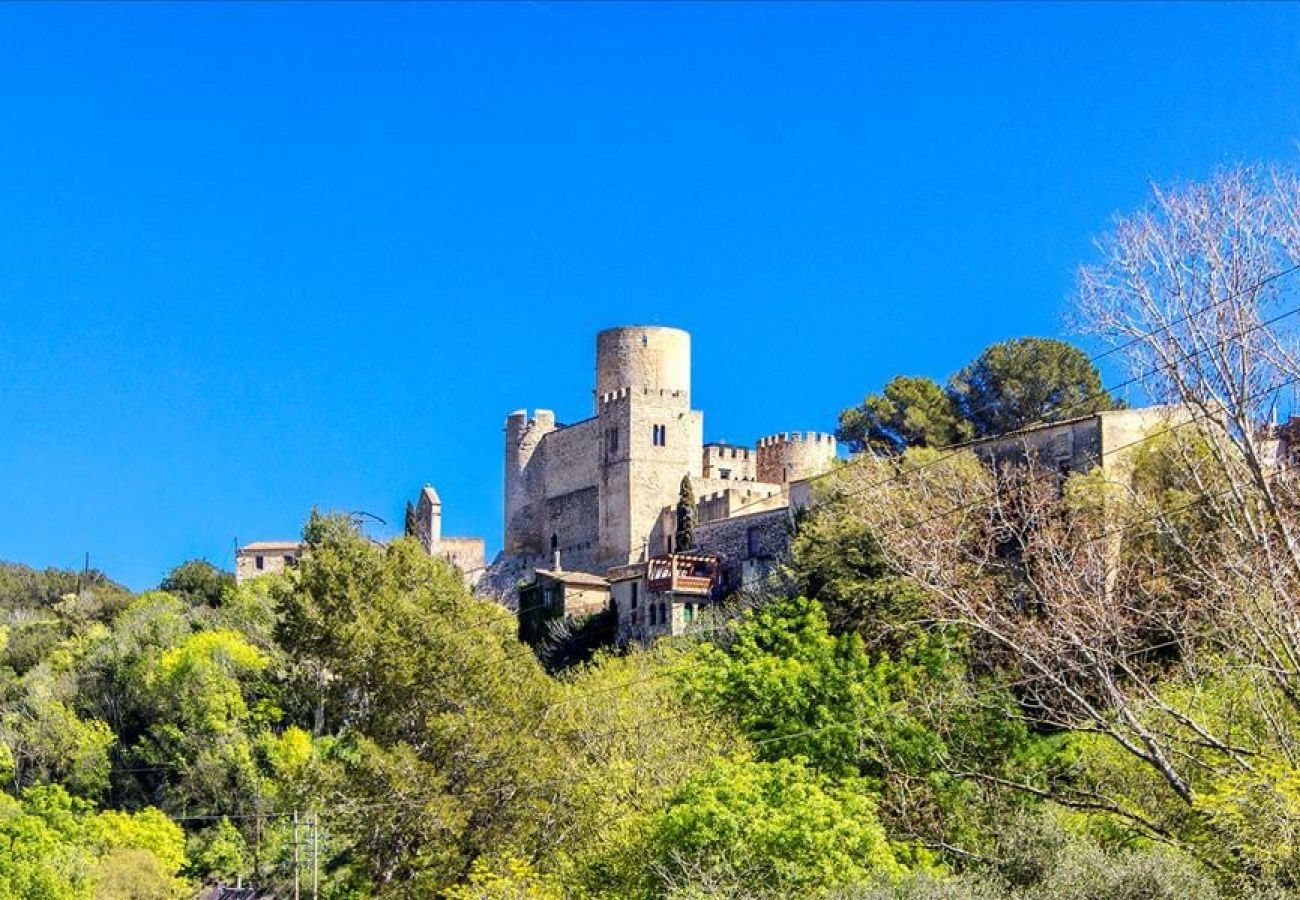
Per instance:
x=1085, y=402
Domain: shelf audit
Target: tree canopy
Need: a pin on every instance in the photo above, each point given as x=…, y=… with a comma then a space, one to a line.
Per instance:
x=1019, y=382
x=1010, y=385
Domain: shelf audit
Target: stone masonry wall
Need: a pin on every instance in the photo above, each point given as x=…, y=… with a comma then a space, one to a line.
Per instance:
x=793, y=455
x=739, y=462
x=574, y=519
x=762, y=535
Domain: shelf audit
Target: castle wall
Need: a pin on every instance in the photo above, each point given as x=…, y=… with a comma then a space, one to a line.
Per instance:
x=722, y=499
x=794, y=455
x=466, y=553
x=571, y=458
x=574, y=518
x=747, y=543
x=740, y=463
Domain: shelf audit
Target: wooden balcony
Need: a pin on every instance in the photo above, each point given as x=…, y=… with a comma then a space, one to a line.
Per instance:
x=683, y=573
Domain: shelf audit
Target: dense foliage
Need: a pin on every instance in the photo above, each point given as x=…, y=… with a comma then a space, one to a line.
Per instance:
x=1010, y=385
x=826, y=740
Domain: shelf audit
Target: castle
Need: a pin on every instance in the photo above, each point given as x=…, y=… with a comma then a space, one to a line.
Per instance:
x=591, y=507
x=602, y=493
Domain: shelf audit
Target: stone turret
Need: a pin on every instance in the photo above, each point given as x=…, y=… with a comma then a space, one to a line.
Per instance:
x=794, y=455
x=523, y=480
x=643, y=358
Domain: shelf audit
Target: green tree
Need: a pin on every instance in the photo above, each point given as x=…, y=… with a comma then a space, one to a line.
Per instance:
x=909, y=412
x=836, y=560
x=1019, y=382
x=685, y=538
x=57, y=847
x=410, y=528
x=774, y=829
x=198, y=582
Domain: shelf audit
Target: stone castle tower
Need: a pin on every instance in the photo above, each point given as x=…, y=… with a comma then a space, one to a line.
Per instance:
x=601, y=492
x=595, y=491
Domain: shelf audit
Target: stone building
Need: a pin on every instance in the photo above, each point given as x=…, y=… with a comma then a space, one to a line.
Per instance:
x=466, y=553
x=266, y=558
x=666, y=595
x=1084, y=442
x=602, y=492
x=557, y=595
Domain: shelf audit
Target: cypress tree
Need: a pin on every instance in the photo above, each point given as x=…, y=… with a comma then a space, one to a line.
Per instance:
x=685, y=539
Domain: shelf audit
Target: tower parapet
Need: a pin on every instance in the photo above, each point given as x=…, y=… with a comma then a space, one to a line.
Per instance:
x=795, y=455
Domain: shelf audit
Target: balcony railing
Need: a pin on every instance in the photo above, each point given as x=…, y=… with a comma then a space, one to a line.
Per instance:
x=682, y=573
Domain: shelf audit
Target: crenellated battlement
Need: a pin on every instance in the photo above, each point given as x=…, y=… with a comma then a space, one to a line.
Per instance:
x=727, y=451
x=627, y=393
x=519, y=423
x=798, y=437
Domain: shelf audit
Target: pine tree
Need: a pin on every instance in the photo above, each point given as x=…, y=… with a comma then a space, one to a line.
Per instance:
x=411, y=529
x=685, y=539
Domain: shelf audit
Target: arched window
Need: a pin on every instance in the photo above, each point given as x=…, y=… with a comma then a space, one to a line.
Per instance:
x=555, y=542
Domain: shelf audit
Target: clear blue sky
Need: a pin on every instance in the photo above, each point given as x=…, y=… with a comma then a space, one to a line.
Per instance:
x=255, y=258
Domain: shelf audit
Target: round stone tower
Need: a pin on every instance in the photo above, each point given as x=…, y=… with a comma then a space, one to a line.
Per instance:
x=643, y=356
x=791, y=456
x=522, y=482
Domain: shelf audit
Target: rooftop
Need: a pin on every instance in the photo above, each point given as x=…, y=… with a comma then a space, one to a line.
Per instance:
x=581, y=578
x=270, y=545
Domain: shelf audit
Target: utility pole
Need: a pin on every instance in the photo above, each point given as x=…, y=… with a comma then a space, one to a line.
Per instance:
x=315, y=855
x=296, y=862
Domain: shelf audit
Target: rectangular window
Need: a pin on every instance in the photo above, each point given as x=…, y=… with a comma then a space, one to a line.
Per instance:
x=289, y=560
x=659, y=435
x=724, y=474
x=611, y=440
x=635, y=585
x=688, y=613
x=751, y=540
x=261, y=563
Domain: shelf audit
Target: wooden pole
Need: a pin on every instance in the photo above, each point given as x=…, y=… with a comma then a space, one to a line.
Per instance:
x=296, y=867
x=315, y=855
